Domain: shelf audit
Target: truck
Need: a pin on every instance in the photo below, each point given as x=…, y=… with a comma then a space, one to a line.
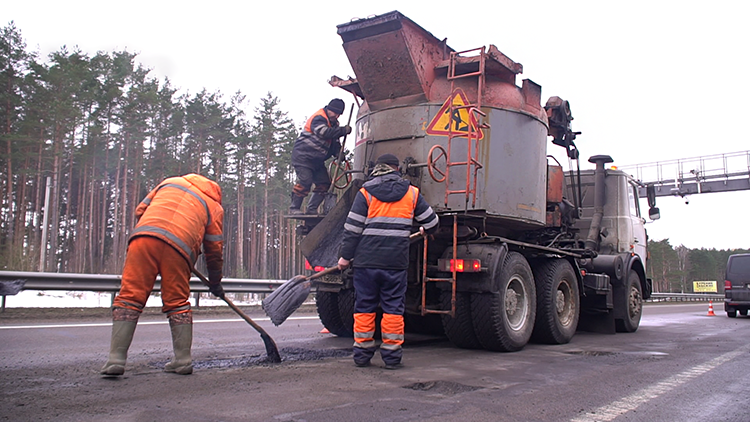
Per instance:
x=525, y=251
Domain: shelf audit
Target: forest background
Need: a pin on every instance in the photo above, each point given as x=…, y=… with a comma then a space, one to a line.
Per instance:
x=104, y=133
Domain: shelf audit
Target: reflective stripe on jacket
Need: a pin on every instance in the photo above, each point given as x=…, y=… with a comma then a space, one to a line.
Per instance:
x=376, y=232
x=186, y=212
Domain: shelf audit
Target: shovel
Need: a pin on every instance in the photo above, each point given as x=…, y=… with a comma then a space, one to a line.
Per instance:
x=288, y=298
x=330, y=200
x=271, y=350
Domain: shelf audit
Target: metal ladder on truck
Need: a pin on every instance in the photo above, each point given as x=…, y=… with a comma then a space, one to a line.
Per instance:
x=471, y=162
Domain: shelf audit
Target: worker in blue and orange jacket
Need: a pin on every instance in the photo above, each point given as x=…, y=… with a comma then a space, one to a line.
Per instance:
x=376, y=243
x=174, y=220
x=317, y=142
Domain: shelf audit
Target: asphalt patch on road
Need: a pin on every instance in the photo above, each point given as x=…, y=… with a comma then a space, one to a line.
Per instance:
x=591, y=353
x=447, y=388
x=289, y=354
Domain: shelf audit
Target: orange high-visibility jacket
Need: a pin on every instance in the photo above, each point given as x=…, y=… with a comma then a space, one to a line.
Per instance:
x=186, y=213
x=318, y=140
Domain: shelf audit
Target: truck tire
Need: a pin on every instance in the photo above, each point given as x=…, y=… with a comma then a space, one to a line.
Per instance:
x=558, y=301
x=346, y=311
x=459, y=329
x=732, y=313
x=631, y=300
x=328, y=311
x=743, y=312
x=504, y=321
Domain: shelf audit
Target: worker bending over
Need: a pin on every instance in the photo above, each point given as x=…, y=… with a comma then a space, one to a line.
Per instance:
x=173, y=221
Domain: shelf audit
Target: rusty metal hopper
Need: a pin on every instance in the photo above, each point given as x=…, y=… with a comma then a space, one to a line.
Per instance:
x=393, y=57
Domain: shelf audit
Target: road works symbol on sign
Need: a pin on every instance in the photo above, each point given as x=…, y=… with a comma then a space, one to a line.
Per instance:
x=457, y=122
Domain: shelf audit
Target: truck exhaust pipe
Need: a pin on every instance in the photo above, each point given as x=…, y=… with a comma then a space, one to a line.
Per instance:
x=592, y=241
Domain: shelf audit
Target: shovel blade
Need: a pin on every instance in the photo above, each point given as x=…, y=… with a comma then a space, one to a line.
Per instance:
x=11, y=288
x=282, y=303
x=329, y=202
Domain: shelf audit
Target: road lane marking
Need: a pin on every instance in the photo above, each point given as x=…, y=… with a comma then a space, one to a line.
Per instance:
x=109, y=324
x=631, y=402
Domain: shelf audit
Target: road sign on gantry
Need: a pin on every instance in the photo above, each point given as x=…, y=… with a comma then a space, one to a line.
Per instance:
x=458, y=122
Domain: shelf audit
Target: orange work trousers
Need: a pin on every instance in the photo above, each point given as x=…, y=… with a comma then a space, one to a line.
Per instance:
x=148, y=257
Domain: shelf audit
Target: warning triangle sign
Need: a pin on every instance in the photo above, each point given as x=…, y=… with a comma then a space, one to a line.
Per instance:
x=458, y=123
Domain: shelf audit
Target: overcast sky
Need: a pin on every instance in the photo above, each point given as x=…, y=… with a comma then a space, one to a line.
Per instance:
x=647, y=80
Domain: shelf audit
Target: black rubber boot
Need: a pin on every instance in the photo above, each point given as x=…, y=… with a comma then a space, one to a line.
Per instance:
x=315, y=200
x=294, y=209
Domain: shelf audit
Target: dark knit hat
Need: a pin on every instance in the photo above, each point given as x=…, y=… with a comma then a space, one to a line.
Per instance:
x=389, y=159
x=336, y=105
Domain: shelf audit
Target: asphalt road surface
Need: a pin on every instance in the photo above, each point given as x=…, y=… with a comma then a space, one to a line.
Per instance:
x=681, y=365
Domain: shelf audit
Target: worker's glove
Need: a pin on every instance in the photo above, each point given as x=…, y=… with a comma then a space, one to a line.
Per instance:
x=343, y=264
x=348, y=129
x=217, y=290
x=334, y=150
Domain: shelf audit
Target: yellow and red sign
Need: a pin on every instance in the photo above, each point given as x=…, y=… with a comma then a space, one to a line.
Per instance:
x=457, y=123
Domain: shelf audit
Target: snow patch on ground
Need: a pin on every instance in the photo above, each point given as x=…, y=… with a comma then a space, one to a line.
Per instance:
x=75, y=299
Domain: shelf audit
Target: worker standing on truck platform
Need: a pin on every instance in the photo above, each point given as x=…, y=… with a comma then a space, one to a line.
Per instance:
x=376, y=240
x=317, y=142
x=172, y=222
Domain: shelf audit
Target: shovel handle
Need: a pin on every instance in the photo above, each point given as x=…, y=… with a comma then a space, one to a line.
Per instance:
x=272, y=351
x=322, y=273
x=340, y=155
x=412, y=237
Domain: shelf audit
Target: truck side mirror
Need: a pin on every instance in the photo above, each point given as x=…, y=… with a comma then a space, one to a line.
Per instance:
x=653, y=213
x=651, y=195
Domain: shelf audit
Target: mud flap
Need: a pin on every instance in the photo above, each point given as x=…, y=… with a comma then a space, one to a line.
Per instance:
x=321, y=245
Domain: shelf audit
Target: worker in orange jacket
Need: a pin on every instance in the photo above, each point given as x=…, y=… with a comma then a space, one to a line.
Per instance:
x=173, y=221
x=318, y=141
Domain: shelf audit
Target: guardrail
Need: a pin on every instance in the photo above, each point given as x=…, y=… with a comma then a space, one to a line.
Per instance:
x=686, y=297
x=111, y=283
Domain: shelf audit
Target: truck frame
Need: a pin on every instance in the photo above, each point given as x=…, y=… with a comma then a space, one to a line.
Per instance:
x=524, y=251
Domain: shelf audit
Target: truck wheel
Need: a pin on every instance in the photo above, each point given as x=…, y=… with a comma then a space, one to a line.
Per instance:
x=732, y=313
x=558, y=302
x=631, y=300
x=504, y=321
x=743, y=312
x=346, y=311
x=328, y=311
x=459, y=329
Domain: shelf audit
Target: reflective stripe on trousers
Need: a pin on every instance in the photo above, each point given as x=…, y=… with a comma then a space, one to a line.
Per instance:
x=392, y=330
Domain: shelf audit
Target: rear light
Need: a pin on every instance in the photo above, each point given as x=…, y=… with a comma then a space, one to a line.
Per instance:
x=461, y=265
x=727, y=285
x=316, y=268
